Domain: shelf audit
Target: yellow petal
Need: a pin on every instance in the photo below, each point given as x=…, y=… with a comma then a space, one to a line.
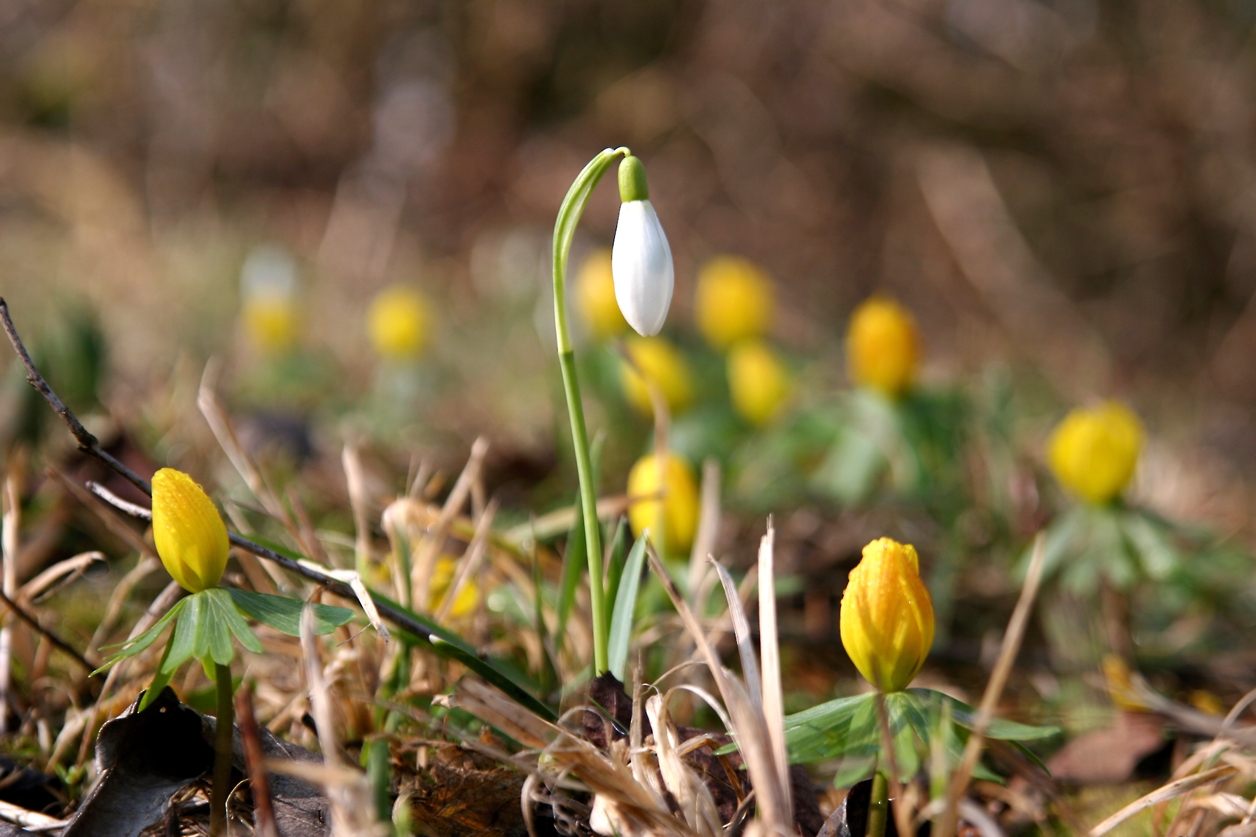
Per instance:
x=882, y=347
x=758, y=382
x=887, y=615
x=595, y=294
x=190, y=536
x=398, y=323
x=1094, y=452
x=271, y=323
x=733, y=301
x=661, y=364
x=438, y=587
x=672, y=518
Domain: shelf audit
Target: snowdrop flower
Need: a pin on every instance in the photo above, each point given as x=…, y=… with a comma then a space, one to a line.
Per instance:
x=641, y=260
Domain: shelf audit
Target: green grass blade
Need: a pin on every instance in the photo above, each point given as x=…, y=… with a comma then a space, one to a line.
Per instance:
x=625, y=604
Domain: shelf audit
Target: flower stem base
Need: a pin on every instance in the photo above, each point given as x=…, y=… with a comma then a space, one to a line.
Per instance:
x=222, y=753
x=878, y=805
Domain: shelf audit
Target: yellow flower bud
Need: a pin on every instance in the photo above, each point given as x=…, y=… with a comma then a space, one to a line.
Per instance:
x=1093, y=452
x=398, y=323
x=438, y=586
x=882, y=347
x=190, y=536
x=733, y=301
x=758, y=382
x=671, y=518
x=271, y=323
x=887, y=615
x=595, y=294
x=662, y=365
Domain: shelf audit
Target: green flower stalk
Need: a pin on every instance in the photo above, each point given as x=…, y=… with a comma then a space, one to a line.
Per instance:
x=641, y=264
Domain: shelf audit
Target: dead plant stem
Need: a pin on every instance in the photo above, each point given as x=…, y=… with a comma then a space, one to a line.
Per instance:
x=949, y=819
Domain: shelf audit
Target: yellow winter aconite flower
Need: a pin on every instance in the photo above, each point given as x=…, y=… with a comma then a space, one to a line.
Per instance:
x=595, y=294
x=438, y=586
x=271, y=323
x=190, y=536
x=661, y=364
x=882, y=346
x=398, y=323
x=1093, y=452
x=671, y=518
x=758, y=382
x=887, y=615
x=734, y=301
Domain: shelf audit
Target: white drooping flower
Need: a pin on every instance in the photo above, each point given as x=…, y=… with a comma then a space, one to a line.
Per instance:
x=641, y=260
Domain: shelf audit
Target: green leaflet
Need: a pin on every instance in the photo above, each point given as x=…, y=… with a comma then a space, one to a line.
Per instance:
x=284, y=614
x=847, y=729
x=134, y=646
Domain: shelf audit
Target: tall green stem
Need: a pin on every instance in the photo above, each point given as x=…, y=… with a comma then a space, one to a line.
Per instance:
x=222, y=753
x=878, y=805
x=564, y=231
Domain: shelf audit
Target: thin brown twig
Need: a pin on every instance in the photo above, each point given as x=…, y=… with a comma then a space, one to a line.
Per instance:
x=90, y=445
x=58, y=642
x=255, y=763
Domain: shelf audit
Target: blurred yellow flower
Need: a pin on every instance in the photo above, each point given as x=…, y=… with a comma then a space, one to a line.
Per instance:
x=271, y=323
x=758, y=382
x=661, y=364
x=269, y=290
x=887, y=615
x=190, y=536
x=397, y=321
x=1120, y=682
x=595, y=294
x=672, y=518
x=734, y=301
x=882, y=346
x=438, y=586
x=1093, y=452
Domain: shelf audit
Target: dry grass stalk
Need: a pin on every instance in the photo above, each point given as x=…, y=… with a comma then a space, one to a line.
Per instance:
x=9, y=545
x=749, y=725
x=57, y=576
x=421, y=569
x=708, y=529
x=118, y=599
x=770, y=656
x=994, y=689
x=355, y=481
x=691, y=793
x=469, y=565
x=29, y=820
x=348, y=794
x=1163, y=794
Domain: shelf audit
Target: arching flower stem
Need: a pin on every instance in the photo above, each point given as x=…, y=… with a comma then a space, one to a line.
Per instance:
x=564, y=231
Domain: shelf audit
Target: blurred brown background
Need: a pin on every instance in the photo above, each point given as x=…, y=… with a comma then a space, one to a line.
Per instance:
x=1065, y=184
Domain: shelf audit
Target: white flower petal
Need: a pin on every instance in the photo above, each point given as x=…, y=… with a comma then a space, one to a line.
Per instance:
x=641, y=264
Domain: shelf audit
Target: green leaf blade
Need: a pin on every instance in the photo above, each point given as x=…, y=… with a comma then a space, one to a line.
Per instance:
x=625, y=605
x=284, y=614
